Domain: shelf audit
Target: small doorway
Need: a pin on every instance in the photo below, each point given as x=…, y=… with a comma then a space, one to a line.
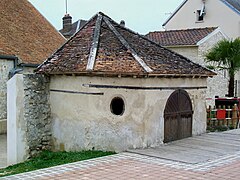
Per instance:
x=178, y=116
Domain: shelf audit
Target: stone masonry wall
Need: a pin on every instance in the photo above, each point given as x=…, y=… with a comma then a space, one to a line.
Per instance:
x=218, y=85
x=5, y=67
x=37, y=112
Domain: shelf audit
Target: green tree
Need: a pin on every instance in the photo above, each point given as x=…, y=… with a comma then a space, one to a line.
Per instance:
x=226, y=56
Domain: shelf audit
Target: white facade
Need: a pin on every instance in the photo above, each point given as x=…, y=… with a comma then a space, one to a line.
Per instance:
x=17, y=150
x=217, y=14
x=84, y=121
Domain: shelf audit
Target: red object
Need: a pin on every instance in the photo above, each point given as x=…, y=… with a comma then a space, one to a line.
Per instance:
x=221, y=114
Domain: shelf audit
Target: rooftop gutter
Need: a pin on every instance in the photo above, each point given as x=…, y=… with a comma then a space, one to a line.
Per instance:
x=15, y=60
x=179, y=46
x=29, y=65
x=11, y=58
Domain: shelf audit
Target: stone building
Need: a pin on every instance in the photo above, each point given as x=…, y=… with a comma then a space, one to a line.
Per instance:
x=193, y=44
x=26, y=40
x=113, y=89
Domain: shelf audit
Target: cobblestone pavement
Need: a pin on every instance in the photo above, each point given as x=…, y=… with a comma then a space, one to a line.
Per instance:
x=3, y=151
x=134, y=166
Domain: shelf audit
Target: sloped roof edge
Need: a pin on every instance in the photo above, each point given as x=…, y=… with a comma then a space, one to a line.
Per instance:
x=26, y=33
x=64, y=43
x=100, y=14
x=116, y=27
x=47, y=21
x=181, y=37
x=175, y=12
x=231, y=6
x=212, y=34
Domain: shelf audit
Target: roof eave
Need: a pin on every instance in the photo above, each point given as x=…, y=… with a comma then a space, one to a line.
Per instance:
x=124, y=74
x=179, y=45
x=217, y=30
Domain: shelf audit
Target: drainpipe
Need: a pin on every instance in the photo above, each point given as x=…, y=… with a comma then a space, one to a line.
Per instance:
x=14, y=70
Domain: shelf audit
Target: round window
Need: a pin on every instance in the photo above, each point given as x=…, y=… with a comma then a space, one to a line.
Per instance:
x=117, y=106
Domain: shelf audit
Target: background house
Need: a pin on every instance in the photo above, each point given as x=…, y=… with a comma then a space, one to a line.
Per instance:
x=26, y=40
x=70, y=28
x=194, y=43
x=207, y=13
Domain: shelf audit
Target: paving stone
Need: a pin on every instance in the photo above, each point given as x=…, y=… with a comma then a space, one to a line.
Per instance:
x=128, y=165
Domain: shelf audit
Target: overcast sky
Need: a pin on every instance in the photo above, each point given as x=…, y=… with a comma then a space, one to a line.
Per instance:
x=140, y=15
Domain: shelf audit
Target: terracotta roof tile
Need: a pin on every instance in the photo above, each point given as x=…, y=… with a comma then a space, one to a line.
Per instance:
x=24, y=32
x=102, y=46
x=113, y=56
x=180, y=37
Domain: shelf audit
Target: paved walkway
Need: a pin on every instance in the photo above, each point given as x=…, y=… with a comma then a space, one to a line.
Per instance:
x=221, y=162
x=3, y=151
x=198, y=149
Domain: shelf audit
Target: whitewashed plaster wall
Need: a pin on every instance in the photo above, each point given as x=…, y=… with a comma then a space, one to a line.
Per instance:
x=84, y=121
x=191, y=52
x=5, y=67
x=16, y=127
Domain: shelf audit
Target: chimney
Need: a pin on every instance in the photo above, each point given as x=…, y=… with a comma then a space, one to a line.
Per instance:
x=67, y=23
x=122, y=23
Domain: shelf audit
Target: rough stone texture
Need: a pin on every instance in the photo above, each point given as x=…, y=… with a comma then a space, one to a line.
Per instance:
x=3, y=126
x=85, y=121
x=218, y=85
x=5, y=67
x=37, y=112
x=28, y=121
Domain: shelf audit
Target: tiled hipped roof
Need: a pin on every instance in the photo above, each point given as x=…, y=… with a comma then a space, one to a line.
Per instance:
x=180, y=37
x=103, y=47
x=25, y=33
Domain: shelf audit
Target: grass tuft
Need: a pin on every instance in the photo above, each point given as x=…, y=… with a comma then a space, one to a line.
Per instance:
x=48, y=159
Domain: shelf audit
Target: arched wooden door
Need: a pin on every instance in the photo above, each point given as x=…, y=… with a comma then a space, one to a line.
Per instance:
x=178, y=116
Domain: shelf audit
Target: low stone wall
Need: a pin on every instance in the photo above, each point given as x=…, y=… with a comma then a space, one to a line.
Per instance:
x=37, y=112
x=29, y=125
x=3, y=126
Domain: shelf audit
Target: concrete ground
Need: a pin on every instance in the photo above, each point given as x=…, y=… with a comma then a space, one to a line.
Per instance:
x=3, y=151
x=198, y=149
x=210, y=156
